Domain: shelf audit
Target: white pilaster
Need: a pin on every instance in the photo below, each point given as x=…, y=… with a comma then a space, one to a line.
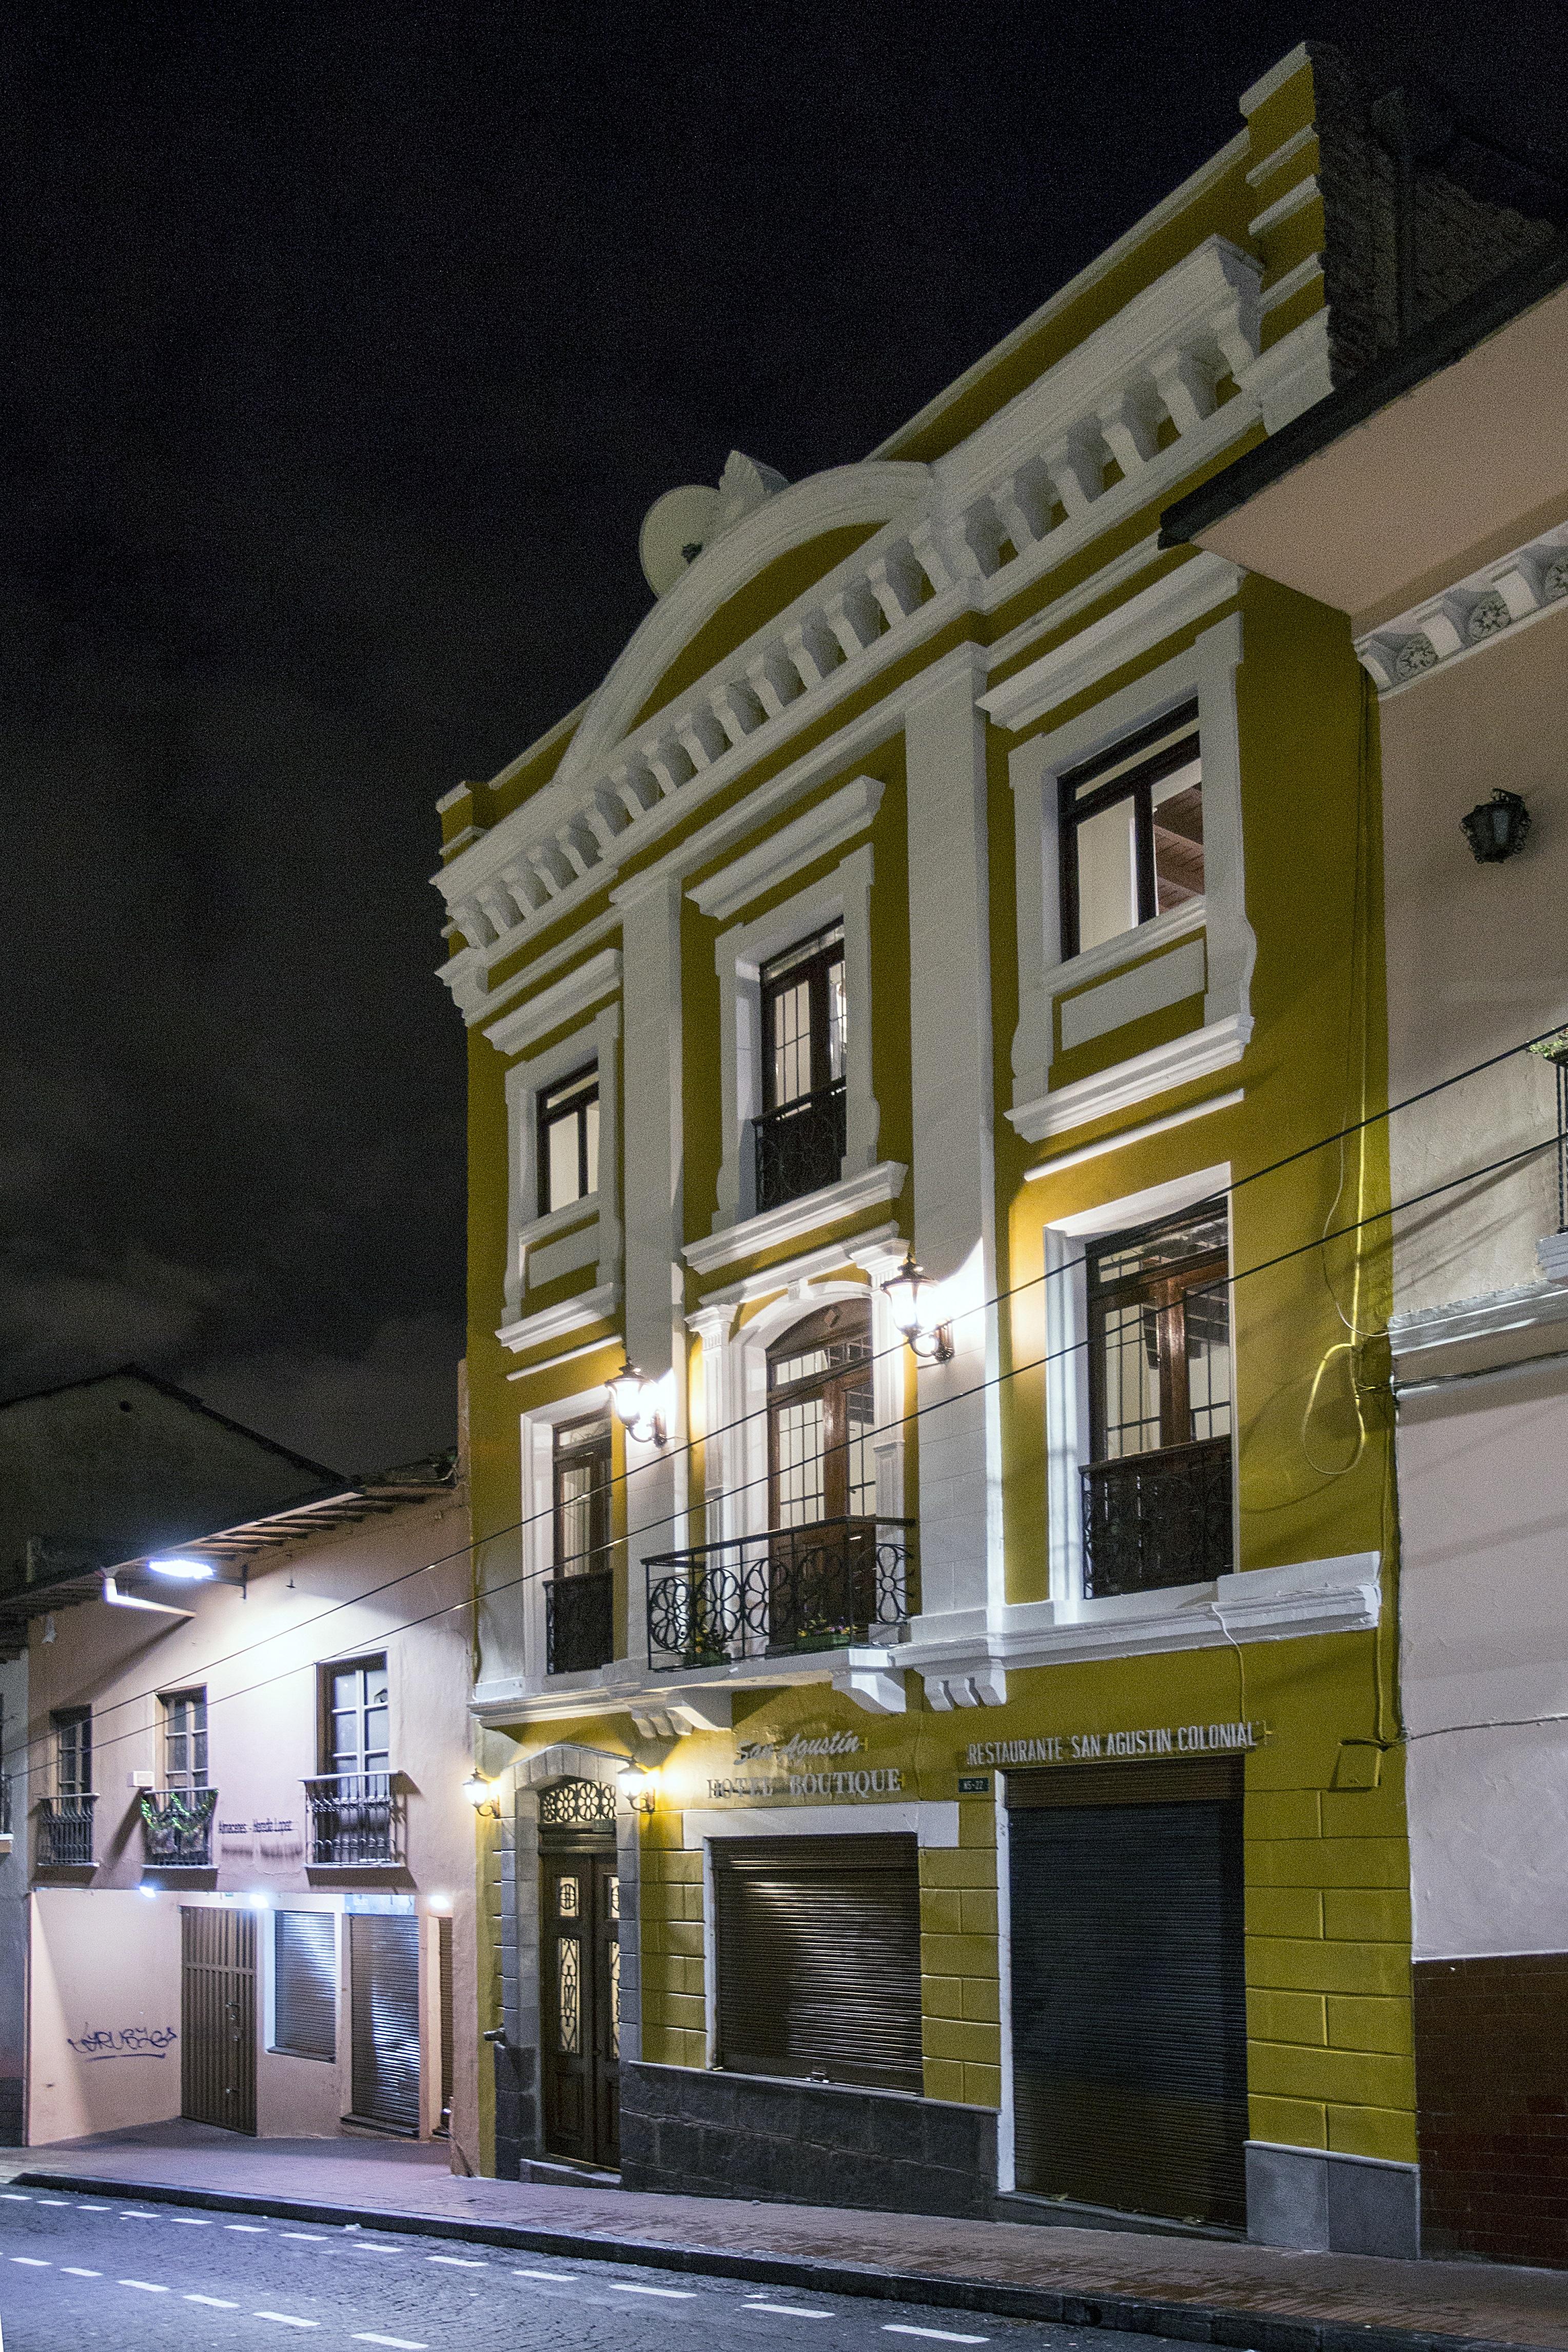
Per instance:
x=953, y=1184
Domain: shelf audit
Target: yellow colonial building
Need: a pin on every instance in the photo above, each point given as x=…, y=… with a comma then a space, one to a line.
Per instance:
x=934, y=1553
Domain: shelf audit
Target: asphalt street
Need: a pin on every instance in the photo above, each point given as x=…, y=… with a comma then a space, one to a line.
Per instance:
x=78, y=2271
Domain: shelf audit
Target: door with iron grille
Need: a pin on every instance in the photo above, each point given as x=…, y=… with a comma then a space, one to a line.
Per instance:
x=218, y=2017
x=1129, y=1993
x=384, y=1997
x=580, y=1993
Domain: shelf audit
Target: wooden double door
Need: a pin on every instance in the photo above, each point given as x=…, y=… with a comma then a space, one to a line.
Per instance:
x=580, y=2000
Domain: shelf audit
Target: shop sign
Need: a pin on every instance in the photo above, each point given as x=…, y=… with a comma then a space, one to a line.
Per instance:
x=796, y=1767
x=1098, y=1747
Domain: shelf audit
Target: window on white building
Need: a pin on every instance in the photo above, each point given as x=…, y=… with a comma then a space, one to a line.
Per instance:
x=185, y=1740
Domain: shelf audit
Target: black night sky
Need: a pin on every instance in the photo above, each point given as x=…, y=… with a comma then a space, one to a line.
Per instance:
x=345, y=348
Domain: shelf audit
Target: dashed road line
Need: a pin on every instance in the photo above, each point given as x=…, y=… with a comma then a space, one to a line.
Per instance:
x=402, y=2343
x=931, y=2334
x=213, y=2302
x=285, y=2319
x=673, y=2293
x=551, y=2275
x=788, y=2310
x=32, y=2262
x=145, y=2286
x=310, y=2237
x=14, y=2196
x=72, y=2270
x=189, y=2221
x=129, y=2213
x=95, y=2209
x=250, y=2229
x=53, y=2201
x=457, y=2261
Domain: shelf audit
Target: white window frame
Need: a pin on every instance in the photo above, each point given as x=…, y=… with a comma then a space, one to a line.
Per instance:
x=1067, y=1385
x=536, y=1463
x=844, y=896
x=599, y=1042
x=1205, y=671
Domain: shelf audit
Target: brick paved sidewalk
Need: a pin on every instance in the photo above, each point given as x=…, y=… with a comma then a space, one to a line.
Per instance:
x=1262, y=2298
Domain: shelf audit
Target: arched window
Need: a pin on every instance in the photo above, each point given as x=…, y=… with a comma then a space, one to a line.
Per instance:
x=821, y=1418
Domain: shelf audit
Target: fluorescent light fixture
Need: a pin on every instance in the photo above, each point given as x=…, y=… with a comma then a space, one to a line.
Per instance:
x=183, y=1571
x=259, y=1899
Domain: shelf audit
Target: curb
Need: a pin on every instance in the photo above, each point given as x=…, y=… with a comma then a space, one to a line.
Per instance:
x=1189, y=2323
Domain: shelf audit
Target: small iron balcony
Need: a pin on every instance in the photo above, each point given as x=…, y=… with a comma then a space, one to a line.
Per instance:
x=65, y=1833
x=177, y=1827
x=579, y=1622
x=1155, y=1519
x=777, y=1595
x=800, y=1146
x=356, y=1820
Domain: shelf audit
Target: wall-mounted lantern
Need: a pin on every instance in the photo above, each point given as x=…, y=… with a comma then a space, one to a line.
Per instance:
x=483, y=1795
x=1497, y=829
x=635, y=1402
x=916, y=1307
x=639, y=1788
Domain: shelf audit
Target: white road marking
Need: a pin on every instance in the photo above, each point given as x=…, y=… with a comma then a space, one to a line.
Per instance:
x=674, y=2294
x=53, y=2201
x=251, y=2229
x=95, y=2209
x=31, y=2261
x=310, y=2237
x=457, y=2261
x=145, y=2286
x=285, y=2319
x=932, y=2334
x=381, y=2250
x=14, y=2196
x=136, y=2217
x=790, y=2310
x=403, y=2343
x=545, y=2275
x=72, y=2271
x=189, y=2221
x=213, y=2302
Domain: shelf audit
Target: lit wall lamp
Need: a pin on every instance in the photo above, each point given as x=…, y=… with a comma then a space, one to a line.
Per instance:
x=640, y=1788
x=915, y=1309
x=635, y=1402
x=1498, y=828
x=483, y=1795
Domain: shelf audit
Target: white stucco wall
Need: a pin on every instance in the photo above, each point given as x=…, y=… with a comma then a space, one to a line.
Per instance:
x=105, y=2012
x=1483, y=1483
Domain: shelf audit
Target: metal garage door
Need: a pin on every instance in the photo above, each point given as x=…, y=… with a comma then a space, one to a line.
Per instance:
x=217, y=2016
x=384, y=1994
x=1129, y=1998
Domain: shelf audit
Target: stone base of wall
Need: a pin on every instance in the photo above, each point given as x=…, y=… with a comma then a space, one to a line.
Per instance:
x=717, y=2135
x=1325, y=2204
x=1491, y=2088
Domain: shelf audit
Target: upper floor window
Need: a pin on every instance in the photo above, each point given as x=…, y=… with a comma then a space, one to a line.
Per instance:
x=578, y=1602
x=1156, y=1493
x=1132, y=832
x=821, y=1419
x=185, y=1740
x=73, y=1751
x=569, y=1140
x=357, y=1728
x=800, y=1131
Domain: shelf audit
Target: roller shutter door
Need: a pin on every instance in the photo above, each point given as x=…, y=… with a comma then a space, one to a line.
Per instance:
x=305, y=1984
x=384, y=1979
x=819, y=1958
x=1129, y=1994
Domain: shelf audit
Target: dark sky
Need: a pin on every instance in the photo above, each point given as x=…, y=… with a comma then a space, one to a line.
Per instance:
x=345, y=348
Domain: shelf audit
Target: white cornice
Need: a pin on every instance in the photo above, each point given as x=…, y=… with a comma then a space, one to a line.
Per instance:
x=553, y=1007
x=1477, y=611
x=1252, y=99
x=1531, y=1307
x=1137, y=1080
x=869, y=1252
x=561, y=1320
x=1177, y=598
x=833, y=1205
x=825, y=827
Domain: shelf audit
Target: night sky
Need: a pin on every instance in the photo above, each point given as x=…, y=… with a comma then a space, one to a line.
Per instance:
x=345, y=348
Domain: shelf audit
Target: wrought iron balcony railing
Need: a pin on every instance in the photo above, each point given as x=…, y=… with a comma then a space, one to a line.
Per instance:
x=579, y=1622
x=768, y=1596
x=1156, y=1519
x=65, y=1833
x=177, y=1827
x=355, y=1818
x=800, y=1146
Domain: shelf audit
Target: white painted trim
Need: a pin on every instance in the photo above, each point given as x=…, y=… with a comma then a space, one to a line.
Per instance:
x=833, y=1204
x=1281, y=289
x=1295, y=200
x=1130, y=1135
x=596, y=1306
x=739, y=955
x=1281, y=155
x=1145, y=1208
x=1293, y=373
x=526, y=1230
x=1150, y=986
x=1531, y=1307
x=826, y=827
x=1436, y=632
x=933, y=1821
x=765, y=1282
x=575, y=992
x=1067, y=607
x=1264, y=87
x=1182, y=594
x=1157, y=1072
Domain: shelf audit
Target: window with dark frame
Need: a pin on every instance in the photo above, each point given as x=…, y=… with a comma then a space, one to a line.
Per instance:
x=185, y=1740
x=822, y=1419
x=568, y=1140
x=800, y=1131
x=1157, y=1492
x=73, y=1751
x=578, y=1601
x=1130, y=829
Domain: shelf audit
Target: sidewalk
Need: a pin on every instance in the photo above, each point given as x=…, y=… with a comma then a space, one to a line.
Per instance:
x=1261, y=2298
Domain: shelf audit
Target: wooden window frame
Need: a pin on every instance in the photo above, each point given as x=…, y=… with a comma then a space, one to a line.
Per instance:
x=364, y=1663
x=1076, y=802
x=813, y=960
x=1166, y=1289
x=833, y=1387
x=597, y=1558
